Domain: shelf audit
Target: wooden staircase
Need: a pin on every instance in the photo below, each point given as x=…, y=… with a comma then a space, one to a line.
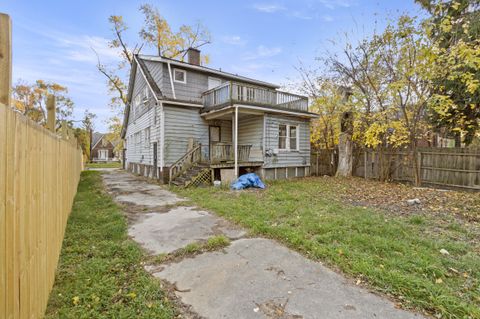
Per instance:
x=190, y=169
x=196, y=175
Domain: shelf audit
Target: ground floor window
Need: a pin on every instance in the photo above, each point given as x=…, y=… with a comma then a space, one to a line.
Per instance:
x=287, y=137
x=103, y=154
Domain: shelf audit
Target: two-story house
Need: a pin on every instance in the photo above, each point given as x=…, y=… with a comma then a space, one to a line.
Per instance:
x=187, y=123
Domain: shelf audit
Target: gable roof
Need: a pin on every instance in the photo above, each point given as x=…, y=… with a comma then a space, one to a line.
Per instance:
x=204, y=69
x=96, y=137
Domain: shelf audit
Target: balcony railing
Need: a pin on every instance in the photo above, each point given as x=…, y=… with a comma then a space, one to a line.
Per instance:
x=232, y=92
x=223, y=152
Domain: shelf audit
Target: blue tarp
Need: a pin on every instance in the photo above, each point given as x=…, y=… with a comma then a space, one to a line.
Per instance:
x=246, y=181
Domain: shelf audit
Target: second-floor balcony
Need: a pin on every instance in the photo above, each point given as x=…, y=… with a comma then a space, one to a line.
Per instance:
x=231, y=93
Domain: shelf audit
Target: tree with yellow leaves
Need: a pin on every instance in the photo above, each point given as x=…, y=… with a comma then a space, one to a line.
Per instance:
x=454, y=27
x=31, y=100
x=389, y=88
x=156, y=33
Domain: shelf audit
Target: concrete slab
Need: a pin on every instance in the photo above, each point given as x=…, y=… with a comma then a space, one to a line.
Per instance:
x=167, y=232
x=150, y=198
x=258, y=278
x=132, y=190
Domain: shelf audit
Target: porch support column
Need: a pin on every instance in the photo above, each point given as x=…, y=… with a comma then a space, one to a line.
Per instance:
x=235, y=143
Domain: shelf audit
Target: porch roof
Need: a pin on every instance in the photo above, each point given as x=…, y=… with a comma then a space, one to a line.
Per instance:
x=222, y=110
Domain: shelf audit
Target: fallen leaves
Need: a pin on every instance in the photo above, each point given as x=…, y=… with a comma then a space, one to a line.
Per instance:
x=394, y=197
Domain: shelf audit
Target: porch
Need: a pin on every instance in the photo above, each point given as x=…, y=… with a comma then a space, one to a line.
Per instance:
x=234, y=146
x=213, y=159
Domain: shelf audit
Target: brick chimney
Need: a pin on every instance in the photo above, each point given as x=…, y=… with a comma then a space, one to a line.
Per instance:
x=193, y=56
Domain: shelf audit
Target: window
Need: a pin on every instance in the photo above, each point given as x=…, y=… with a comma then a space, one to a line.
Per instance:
x=213, y=82
x=293, y=137
x=146, y=94
x=147, y=136
x=282, y=137
x=179, y=76
x=287, y=137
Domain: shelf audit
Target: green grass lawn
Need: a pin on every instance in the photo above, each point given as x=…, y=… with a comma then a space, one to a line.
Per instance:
x=100, y=273
x=104, y=165
x=398, y=255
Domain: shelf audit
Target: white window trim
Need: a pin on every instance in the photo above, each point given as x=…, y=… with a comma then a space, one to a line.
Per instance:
x=287, y=142
x=184, y=76
x=212, y=78
x=146, y=94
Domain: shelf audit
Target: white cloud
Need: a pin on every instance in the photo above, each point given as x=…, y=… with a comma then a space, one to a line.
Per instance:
x=68, y=59
x=234, y=40
x=301, y=15
x=332, y=4
x=262, y=52
x=268, y=8
x=82, y=48
x=327, y=18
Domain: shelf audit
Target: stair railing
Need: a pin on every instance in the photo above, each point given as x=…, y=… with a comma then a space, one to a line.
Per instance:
x=190, y=158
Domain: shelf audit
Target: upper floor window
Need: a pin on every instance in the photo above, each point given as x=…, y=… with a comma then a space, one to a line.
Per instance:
x=213, y=82
x=179, y=76
x=288, y=137
x=146, y=94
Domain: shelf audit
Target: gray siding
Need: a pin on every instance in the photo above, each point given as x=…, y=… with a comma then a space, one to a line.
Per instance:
x=139, y=149
x=197, y=82
x=287, y=158
x=182, y=123
x=250, y=131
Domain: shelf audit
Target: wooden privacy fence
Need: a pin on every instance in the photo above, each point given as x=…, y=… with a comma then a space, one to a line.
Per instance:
x=39, y=173
x=445, y=167
x=323, y=162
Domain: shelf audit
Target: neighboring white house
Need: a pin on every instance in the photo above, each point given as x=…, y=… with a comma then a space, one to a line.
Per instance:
x=184, y=120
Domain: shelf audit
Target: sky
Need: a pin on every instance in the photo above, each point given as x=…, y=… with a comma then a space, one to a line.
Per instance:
x=266, y=40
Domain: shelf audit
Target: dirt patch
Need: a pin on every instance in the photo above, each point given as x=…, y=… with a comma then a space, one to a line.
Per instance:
x=275, y=310
x=183, y=310
x=394, y=197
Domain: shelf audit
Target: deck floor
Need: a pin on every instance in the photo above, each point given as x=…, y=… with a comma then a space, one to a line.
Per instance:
x=232, y=164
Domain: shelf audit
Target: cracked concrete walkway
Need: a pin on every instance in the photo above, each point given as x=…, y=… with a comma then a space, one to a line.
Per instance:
x=251, y=278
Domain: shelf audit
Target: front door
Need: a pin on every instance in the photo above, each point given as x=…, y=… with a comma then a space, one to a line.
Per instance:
x=103, y=154
x=213, y=138
x=155, y=169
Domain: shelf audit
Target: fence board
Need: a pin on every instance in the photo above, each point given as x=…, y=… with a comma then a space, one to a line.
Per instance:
x=39, y=173
x=450, y=167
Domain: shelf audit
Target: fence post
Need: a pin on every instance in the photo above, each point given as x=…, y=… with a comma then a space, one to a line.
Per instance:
x=51, y=112
x=419, y=168
x=5, y=59
x=365, y=163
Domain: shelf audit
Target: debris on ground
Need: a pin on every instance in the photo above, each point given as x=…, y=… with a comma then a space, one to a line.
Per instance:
x=444, y=252
x=414, y=201
x=246, y=181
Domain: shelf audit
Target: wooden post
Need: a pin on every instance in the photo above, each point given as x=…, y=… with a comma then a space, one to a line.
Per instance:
x=51, y=112
x=5, y=58
x=64, y=130
x=365, y=163
x=419, y=168
x=236, y=142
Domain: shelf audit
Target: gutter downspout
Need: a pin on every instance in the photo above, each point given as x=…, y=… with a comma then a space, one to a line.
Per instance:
x=162, y=137
x=171, y=80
